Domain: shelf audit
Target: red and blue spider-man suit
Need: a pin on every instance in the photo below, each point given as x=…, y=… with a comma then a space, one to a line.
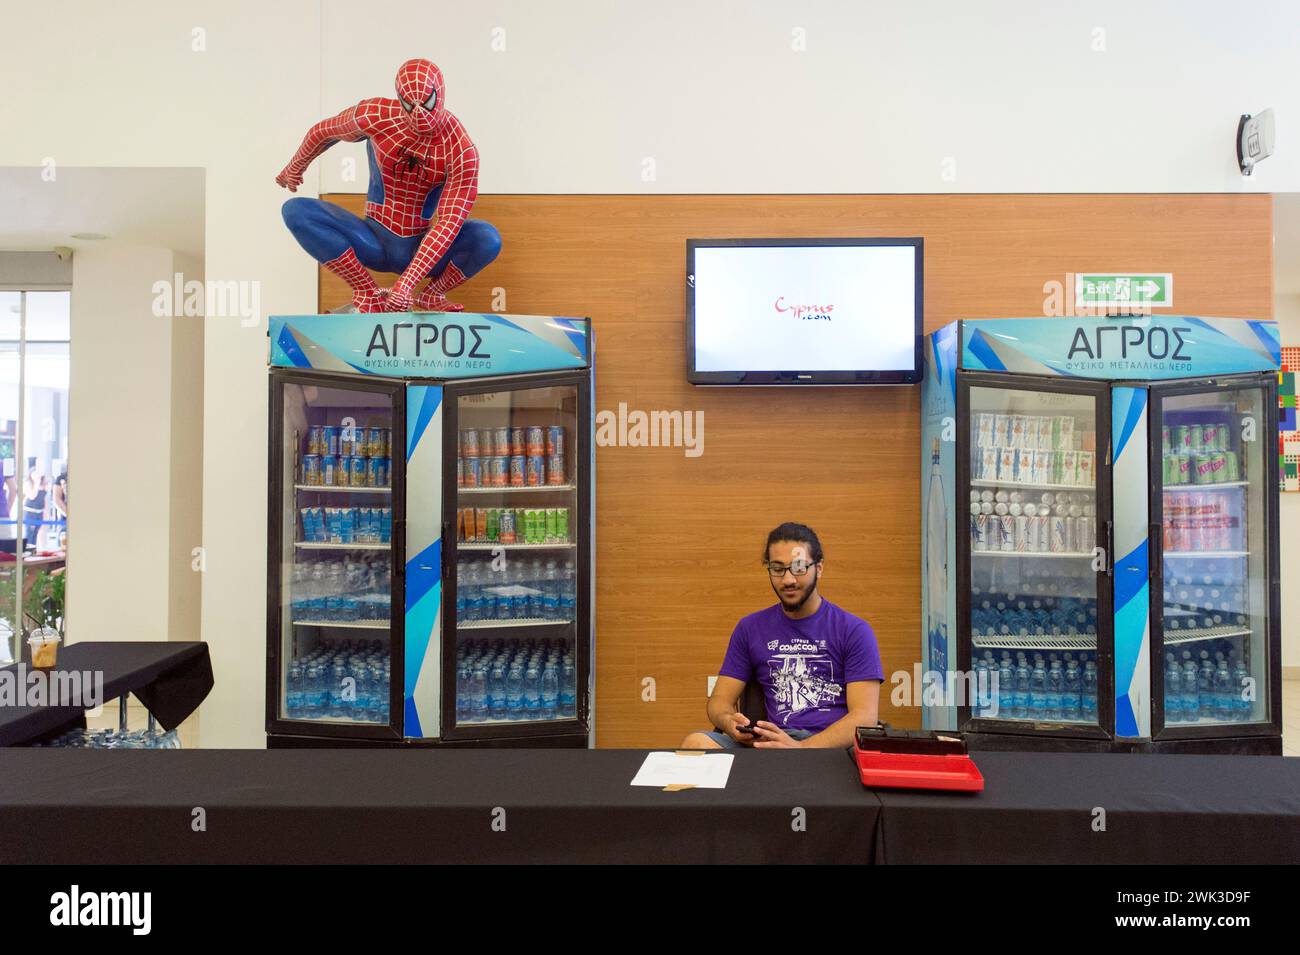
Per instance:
x=423, y=182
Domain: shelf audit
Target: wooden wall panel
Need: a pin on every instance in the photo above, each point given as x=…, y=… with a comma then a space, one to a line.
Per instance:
x=678, y=538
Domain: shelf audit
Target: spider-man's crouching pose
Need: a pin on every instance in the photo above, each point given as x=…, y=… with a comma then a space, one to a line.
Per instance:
x=423, y=167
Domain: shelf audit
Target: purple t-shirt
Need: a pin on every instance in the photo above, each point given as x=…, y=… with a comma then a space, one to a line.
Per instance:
x=803, y=665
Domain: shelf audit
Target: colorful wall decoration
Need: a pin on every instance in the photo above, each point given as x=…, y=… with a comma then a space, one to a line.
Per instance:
x=1288, y=428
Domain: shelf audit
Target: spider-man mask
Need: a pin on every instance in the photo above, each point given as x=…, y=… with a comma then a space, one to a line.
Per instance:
x=420, y=91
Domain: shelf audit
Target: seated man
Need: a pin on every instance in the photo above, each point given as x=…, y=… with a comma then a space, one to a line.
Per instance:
x=818, y=665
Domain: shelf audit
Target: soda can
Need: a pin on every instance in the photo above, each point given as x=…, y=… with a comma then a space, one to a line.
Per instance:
x=481, y=524
x=315, y=438
x=1222, y=438
x=1021, y=533
x=1210, y=436
x=356, y=471
x=506, y=526
x=1084, y=475
x=329, y=440
x=374, y=472
x=498, y=471
x=1024, y=464
x=1164, y=440
x=1041, y=533
x=984, y=430
x=555, y=469
x=1184, y=468
x=1168, y=470
x=311, y=469
x=535, y=441
x=518, y=441
x=485, y=447
x=554, y=440
x=494, y=524
x=979, y=529
x=534, y=471
x=329, y=464
x=474, y=472
x=1182, y=439
x=1006, y=532
x=469, y=443
x=388, y=472
x=1056, y=534
x=1087, y=533
x=501, y=442
x=552, y=533
x=1071, y=535
x=1231, y=467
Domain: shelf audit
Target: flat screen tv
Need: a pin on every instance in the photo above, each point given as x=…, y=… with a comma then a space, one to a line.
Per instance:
x=803, y=311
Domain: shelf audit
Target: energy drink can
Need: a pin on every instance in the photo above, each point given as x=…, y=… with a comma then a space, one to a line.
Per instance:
x=501, y=442
x=357, y=471
x=374, y=472
x=534, y=471
x=469, y=443
x=329, y=440
x=1086, y=533
x=518, y=442
x=554, y=440
x=506, y=526
x=1006, y=532
x=1231, y=467
x=517, y=468
x=473, y=472
x=485, y=443
x=315, y=438
x=534, y=441
x=311, y=469
x=328, y=465
x=555, y=469
x=552, y=534
x=498, y=471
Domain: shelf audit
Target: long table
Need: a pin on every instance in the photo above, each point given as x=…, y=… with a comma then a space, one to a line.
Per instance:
x=550, y=806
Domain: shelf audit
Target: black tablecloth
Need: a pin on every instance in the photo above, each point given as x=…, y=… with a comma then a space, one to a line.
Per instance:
x=170, y=679
x=1040, y=807
x=331, y=806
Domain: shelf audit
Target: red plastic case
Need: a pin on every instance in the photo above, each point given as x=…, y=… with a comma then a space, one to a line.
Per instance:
x=904, y=759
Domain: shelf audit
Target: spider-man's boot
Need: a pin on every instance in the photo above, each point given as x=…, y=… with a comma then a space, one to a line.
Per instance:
x=367, y=296
x=432, y=298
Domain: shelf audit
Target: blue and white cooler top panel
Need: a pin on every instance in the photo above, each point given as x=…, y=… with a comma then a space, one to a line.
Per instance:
x=441, y=345
x=1143, y=348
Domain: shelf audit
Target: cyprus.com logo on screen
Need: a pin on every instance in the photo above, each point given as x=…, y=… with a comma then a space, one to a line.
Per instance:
x=806, y=313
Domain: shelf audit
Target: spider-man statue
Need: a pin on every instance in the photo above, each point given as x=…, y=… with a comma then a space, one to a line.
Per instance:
x=423, y=182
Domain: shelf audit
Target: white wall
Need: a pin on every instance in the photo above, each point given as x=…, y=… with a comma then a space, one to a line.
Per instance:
x=1011, y=92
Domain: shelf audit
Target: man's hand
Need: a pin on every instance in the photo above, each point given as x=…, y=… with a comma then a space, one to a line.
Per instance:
x=290, y=178
x=770, y=736
x=730, y=722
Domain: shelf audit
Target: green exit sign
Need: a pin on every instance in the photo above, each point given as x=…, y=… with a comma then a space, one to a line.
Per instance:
x=1151, y=290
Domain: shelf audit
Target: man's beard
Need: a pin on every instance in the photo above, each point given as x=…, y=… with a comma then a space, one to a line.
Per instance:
x=802, y=600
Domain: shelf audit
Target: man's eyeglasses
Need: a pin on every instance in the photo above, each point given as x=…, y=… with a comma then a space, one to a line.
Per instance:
x=798, y=567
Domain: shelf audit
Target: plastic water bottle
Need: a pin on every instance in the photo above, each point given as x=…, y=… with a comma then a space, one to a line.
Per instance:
x=1191, y=694
x=514, y=693
x=478, y=694
x=360, y=674
x=339, y=707
x=568, y=691
x=1006, y=687
x=1022, y=689
x=532, y=693
x=1038, y=691
x=569, y=592
x=1205, y=686
x=1173, y=691
x=1088, y=697
x=462, y=591
x=550, y=693
x=378, y=695
x=551, y=592
x=979, y=705
x=1055, y=691
x=1240, y=705
x=1072, y=708
x=1222, y=692
x=462, y=692
x=293, y=701
x=496, y=692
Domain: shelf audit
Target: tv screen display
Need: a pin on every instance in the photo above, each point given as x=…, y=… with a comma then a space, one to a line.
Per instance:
x=803, y=311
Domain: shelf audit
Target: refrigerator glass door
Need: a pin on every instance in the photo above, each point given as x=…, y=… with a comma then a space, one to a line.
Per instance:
x=1210, y=666
x=517, y=611
x=336, y=562
x=1036, y=558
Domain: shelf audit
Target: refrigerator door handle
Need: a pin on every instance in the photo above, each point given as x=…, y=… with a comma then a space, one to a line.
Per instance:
x=1157, y=550
x=1110, y=549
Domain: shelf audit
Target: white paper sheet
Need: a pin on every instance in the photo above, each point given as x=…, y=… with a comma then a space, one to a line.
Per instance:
x=707, y=771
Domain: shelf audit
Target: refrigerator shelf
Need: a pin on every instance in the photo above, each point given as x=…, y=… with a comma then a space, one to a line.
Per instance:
x=1028, y=553
x=1206, y=554
x=312, y=545
x=1205, y=487
x=514, y=489
x=1029, y=485
x=494, y=545
x=1054, y=642
x=1175, y=637
x=499, y=624
x=350, y=625
x=343, y=489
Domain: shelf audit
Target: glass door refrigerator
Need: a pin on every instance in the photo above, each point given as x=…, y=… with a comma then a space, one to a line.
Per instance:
x=1100, y=546
x=430, y=531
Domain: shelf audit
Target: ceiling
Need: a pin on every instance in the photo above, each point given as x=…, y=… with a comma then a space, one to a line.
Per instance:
x=132, y=206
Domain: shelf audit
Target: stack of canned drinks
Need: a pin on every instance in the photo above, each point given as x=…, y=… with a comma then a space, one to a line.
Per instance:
x=1064, y=522
x=1199, y=453
x=1032, y=449
x=1196, y=521
x=519, y=456
x=346, y=525
x=347, y=456
x=513, y=525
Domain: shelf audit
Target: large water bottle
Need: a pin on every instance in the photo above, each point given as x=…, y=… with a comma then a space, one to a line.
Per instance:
x=550, y=693
x=1223, y=692
x=1072, y=707
x=1173, y=690
x=478, y=711
x=1022, y=705
x=463, y=673
x=515, y=693
x=1055, y=691
x=1191, y=692
x=1088, y=697
x=532, y=692
x=1038, y=691
x=294, y=692
x=1006, y=687
x=551, y=592
x=569, y=592
x=568, y=691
